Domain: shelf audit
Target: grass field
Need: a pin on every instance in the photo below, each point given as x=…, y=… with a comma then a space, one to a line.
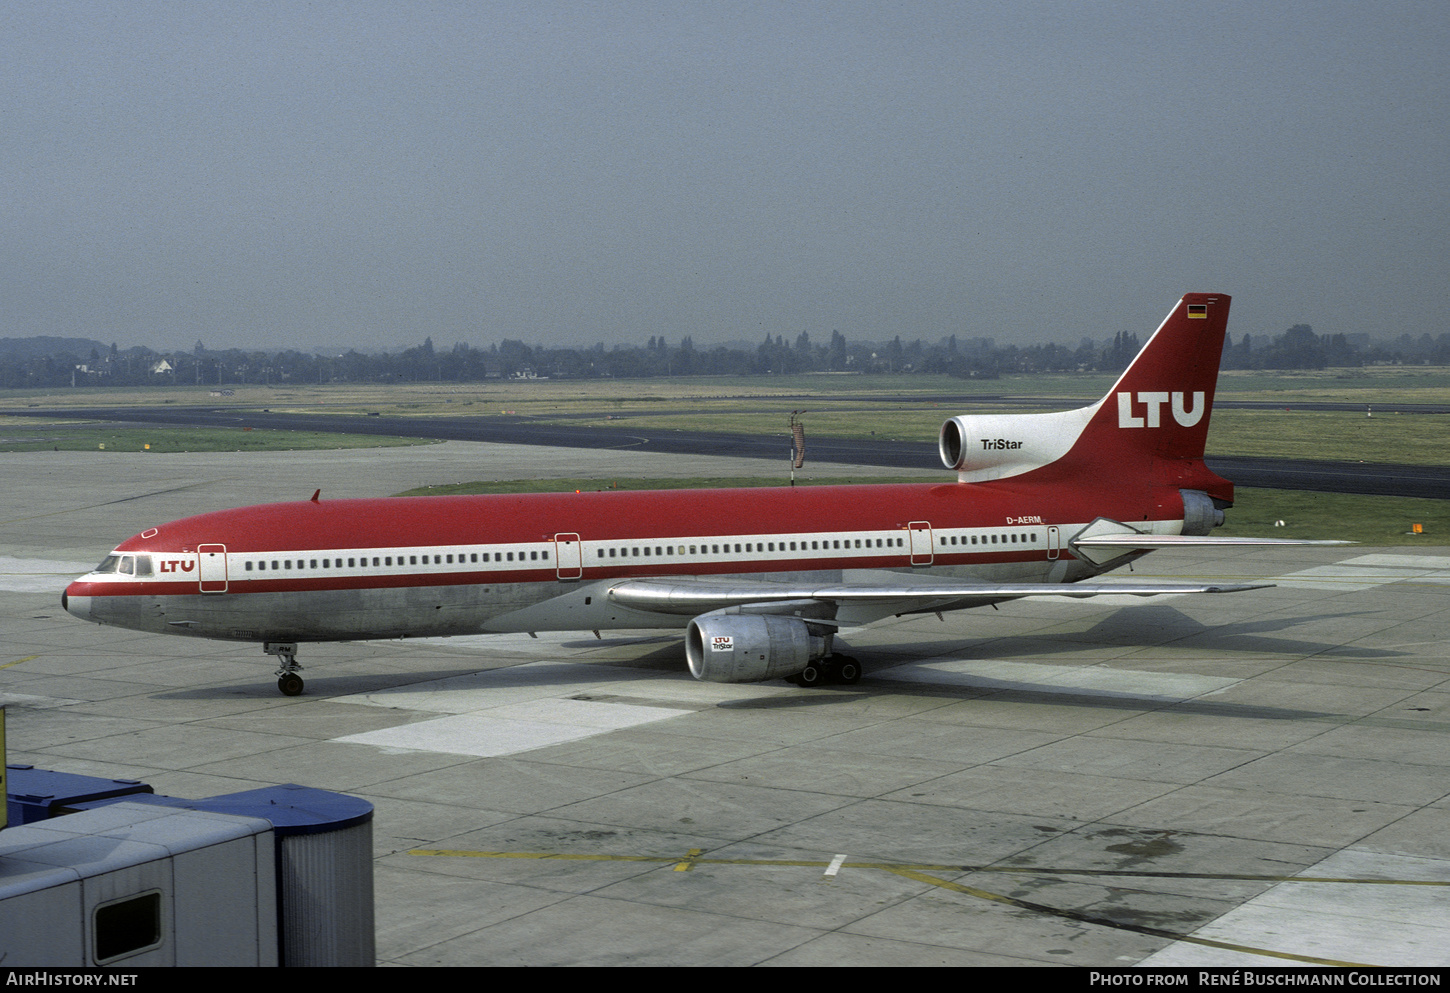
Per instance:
x=1370, y=520
x=21, y=434
x=841, y=406
x=900, y=407
x=1374, y=384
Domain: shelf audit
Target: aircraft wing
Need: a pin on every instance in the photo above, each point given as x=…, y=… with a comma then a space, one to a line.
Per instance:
x=688, y=596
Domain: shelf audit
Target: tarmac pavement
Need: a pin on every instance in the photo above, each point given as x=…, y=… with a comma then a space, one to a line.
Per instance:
x=1256, y=778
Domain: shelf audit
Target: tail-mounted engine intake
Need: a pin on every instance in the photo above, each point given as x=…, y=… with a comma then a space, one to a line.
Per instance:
x=993, y=446
x=746, y=648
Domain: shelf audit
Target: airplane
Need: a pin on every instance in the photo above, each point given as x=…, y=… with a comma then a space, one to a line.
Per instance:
x=762, y=580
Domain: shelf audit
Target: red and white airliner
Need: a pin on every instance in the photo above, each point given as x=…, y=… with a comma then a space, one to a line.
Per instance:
x=761, y=579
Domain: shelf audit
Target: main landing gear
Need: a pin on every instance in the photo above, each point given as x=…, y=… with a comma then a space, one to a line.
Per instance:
x=287, y=679
x=837, y=669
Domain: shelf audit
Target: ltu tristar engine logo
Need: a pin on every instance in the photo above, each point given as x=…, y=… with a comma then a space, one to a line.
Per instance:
x=1150, y=404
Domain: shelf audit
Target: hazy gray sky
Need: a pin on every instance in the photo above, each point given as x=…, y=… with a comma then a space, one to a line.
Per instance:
x=360, y=174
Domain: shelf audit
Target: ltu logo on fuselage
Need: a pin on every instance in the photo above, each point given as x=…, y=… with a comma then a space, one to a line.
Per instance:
x=1152, y=407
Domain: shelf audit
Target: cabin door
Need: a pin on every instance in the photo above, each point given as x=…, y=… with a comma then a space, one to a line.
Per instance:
x=568, y=556
x=211, y=570
x=921, y=550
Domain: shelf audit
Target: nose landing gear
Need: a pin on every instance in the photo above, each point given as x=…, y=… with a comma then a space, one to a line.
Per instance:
x=287, y=679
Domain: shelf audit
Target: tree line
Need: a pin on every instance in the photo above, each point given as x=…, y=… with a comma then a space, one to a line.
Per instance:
x=33, y=362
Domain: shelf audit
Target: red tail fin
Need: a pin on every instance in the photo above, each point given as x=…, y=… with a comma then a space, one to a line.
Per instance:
x=1151, y=426
x=1154, y=421
x=1164, y=400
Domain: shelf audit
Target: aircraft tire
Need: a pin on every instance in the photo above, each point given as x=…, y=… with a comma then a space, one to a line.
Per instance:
x=810, y=676
x=848, y=670
x=290, y=684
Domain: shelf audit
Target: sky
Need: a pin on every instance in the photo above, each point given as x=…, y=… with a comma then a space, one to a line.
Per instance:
x=366, y=174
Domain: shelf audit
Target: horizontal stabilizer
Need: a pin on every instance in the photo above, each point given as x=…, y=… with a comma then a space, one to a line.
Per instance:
x=1104, y=540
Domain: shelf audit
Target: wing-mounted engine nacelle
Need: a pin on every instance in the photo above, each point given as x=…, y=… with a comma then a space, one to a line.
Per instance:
x=747, y=648
x=993, y=446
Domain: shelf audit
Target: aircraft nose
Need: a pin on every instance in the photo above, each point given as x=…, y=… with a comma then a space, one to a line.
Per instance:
x=77, y=605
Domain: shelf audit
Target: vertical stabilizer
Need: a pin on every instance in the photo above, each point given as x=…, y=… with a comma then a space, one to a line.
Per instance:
x=1150, y=428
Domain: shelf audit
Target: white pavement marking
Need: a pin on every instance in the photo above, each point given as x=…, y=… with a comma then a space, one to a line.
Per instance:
x=513, y=728
x=38, y=575
x=1094, y=680
x=515, y=709
x=30, y=702
x=1368, y=571
x=1367, y=924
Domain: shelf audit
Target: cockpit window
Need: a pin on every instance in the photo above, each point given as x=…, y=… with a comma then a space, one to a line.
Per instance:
x=109, y=564
x=143, y=565
x=128, y=565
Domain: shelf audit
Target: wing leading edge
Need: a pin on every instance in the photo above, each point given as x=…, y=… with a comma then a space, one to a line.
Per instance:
x=691, y=597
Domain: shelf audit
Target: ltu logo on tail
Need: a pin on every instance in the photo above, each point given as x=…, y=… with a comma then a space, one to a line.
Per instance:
x=1152, y=406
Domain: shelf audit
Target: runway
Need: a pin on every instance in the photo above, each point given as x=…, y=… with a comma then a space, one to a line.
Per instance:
x=1252, y=779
